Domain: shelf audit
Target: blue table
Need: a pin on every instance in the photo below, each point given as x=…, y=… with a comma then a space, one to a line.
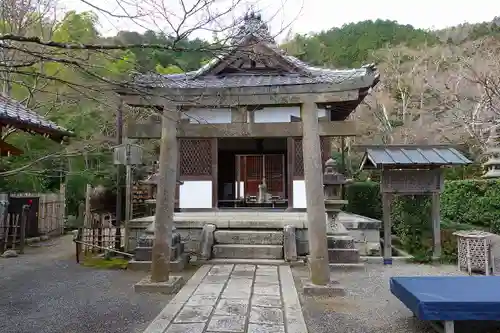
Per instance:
x=449, y=298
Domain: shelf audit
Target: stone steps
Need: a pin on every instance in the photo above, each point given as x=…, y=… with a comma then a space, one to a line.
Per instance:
x=262, y=262
x=248, y=244
x=342, y=252
x=247, y=251
x=250, y=237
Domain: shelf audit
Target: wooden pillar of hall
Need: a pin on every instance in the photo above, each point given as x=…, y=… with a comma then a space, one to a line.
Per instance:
x=315, y=198
x=290, y=170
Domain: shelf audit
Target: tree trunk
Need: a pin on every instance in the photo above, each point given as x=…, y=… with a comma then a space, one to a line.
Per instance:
x=165, y=197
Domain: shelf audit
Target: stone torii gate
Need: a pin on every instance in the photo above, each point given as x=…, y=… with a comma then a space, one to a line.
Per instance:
x=253, y=75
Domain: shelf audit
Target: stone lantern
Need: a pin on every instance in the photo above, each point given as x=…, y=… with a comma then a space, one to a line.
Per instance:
x=492, y=166
x=333, y=182
x=341, y=248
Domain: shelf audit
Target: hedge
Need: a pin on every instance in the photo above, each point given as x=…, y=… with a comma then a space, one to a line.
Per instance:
x=465, y=204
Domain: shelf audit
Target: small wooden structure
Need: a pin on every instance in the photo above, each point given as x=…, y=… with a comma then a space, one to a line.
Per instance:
x=15, y=115
x=411, y=170
x=45, y=212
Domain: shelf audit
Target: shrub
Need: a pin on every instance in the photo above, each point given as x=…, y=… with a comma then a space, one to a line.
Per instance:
x=475, y=202
x=364, y=199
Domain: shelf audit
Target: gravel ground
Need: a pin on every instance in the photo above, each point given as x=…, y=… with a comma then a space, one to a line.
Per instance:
x=45, y=291
x=369, y=305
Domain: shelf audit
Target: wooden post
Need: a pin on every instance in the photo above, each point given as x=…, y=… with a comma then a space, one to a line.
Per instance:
x=386, y=207
x=62, y=206
x=87, y=218
x=315, y=198
x=128, y=198
x=165, y=197
x=436, y=225
x=24, y=222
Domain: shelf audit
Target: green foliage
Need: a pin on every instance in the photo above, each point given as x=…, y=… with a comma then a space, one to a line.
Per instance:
x=465, y=204
x=105, y=263
x=66, y=94
x=474, y=202
x=172, y=69
x=352, y=45
x=464, y=172
x=364, y=199
x=483, y=30
x=189, y=57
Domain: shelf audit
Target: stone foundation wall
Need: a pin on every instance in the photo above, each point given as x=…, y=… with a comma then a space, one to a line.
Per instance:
x=367, y=241
x=365, y=231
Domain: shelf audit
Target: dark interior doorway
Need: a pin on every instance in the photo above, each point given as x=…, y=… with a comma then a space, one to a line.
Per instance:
x=16, y=208
x=243, y=163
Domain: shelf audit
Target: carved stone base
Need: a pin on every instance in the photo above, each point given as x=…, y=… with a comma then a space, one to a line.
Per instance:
x=143, y=251
x=169, y=287
x=331, y=289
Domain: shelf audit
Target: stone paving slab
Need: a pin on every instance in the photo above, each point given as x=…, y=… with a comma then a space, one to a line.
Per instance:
x=234, y=299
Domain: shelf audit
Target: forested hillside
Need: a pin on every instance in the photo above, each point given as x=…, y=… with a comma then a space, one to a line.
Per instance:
x=433, y=88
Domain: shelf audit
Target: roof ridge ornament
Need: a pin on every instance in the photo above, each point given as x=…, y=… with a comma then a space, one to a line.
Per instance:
x=253, y=25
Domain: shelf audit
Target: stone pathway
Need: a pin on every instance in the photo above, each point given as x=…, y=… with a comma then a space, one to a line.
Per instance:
x=234, y=298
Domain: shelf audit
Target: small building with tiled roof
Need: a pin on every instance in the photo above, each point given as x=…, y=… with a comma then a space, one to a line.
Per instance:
x=240, y=134
x=15, y=115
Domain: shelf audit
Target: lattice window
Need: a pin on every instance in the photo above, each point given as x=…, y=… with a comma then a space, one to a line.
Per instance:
x=195, y=157
x=299, y=159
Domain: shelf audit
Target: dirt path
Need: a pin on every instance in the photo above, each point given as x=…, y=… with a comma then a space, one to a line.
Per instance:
x=45, y=291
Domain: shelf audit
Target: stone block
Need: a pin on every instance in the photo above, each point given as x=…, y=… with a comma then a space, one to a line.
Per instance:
x=169, y=287
x=340, y=242
x=144, y=266
x=330, y=289
x=289, y=243
x=142, y=254
x=372, y=235
x=227, y=324
x=231, y=307
x=302, y=248
x=343, y=256
x=335, y=227
x=270, y=316
x=266, y=301
x=266, y=289
x=191, y=238
x=373, y=249
x=244, y=251
x=250, y=237
x=207, y=241
x=194, y=314
x=184, y=328
x=346, y=267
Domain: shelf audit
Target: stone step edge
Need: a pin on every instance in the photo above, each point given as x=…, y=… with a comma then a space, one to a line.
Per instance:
x=248, y=237
x=274, y=262
x=238, y=251
x=145, y=266
x=346, y=266
x=261, y=246
x=257, y=231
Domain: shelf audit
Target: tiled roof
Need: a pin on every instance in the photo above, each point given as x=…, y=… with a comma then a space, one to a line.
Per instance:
x=366, y=75
x=17, y=115
x=254, y=28
x=408, y=155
